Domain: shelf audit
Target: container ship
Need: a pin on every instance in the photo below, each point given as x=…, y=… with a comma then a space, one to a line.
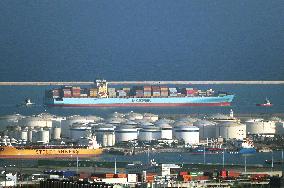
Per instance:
x=157, y=96
x=49, y=152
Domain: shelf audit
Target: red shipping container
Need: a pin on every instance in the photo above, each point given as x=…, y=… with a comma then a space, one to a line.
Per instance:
x=183, y=173
x=233, y=174
x=223, y=173
x=200, y=178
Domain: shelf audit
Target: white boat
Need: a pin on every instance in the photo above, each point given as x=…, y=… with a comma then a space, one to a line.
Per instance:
x=28, y=102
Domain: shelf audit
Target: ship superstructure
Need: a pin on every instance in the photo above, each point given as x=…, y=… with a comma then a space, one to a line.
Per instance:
x=101, y=95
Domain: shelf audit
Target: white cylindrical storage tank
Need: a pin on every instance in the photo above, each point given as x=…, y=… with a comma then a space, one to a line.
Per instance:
x=24, y=135
x=110, y=139
x=133, y=116
x=207, y=129
x=35, y=121
x=164, y=121
x=43, y=136
x=30, y=135
x=56, y=133
x=69, y=121
x=219, y=118
x=279, y=127
x=260, y=127
x=231, y=130
x=125, y=133
x=190, y=134
x=116, y=120
x=102, y=133
x=166, y=131
x=8, y=120
x=148, y=133
x=104, y=142
x=78, y=130
x=150, y=117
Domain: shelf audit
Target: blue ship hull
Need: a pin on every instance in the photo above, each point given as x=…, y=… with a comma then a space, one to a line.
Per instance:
x=247, y=151
x=158, y=102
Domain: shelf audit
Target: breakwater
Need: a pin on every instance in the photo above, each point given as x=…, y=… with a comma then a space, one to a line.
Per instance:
x=256, y=82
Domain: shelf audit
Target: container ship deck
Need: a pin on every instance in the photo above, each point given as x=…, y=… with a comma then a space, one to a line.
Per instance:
x=144, y=96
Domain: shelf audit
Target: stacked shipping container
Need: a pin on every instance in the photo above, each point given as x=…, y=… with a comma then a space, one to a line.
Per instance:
x=156, y=91
x=76, y=91
x=111, y=92
x=121, y=93
x=139, y=92
x=93, y=92
x=164, y=91
x=173, y=92
x=66, y=92
x=147, y=91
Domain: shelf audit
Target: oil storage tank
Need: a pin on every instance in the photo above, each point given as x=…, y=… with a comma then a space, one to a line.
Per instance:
x=148, y=133
x=105, y=135
x=56, y=133
x=125, y=133
x=133, y=116
x=24, y=135
x=35, y=121
x=151, y=117
x=260, y=127
x=189, y=134
x=166, y=130
x=231, y=130
x=207, y=129
x=67, y=123
x=7, y=120
x=79, y=130
x=43, y=136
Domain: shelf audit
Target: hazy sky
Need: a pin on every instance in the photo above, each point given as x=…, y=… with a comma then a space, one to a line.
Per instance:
x=147, y=39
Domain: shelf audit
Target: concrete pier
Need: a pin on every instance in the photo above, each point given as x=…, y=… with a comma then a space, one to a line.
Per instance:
x=256, y=82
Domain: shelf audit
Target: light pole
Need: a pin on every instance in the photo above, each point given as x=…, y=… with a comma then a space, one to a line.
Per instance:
x=272, y=160
x=224, y=157
x=5, y=168
x=204, y=154
x=245, y=163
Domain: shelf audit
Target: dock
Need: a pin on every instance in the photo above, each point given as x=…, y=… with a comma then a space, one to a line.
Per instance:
x=255, y=82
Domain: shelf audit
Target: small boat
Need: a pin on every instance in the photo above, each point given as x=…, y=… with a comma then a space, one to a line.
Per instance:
x=247, y=147
x=27, y=102
x=266, y=103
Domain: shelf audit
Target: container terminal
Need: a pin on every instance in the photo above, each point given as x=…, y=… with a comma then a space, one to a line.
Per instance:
x=130, y=134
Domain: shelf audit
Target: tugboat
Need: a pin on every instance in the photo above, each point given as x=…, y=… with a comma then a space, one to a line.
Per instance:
x=266, y=103
x=26, y=103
